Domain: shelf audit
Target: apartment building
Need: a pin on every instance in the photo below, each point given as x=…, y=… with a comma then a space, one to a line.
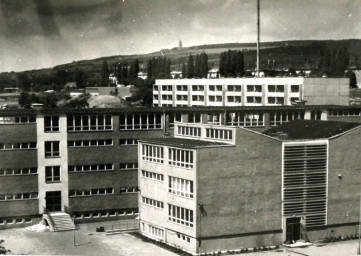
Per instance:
x=270, y=91
x=212, y=187
x=85, y=161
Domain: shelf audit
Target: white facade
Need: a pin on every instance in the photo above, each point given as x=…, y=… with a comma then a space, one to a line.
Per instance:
x=270, y=91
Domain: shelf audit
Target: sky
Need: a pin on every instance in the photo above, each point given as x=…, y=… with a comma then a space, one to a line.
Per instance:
x=42, y=33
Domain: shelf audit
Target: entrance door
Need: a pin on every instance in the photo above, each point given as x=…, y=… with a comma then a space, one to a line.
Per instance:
x=293, y=229
x=53, y=201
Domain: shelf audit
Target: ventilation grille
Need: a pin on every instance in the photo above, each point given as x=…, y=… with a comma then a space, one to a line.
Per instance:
x=305, y=183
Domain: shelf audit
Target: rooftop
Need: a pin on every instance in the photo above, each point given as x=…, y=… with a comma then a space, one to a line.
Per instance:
x=309, y=129
x=183, y=143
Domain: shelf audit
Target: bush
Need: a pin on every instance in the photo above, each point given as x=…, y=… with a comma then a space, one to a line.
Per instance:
x=3, y=249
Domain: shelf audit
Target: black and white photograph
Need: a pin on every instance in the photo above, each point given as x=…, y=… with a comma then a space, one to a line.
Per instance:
x=180, y=127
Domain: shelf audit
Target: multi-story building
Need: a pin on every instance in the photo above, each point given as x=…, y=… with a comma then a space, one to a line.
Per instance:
x=86, y=160
x=212, y=188
x=268, y=91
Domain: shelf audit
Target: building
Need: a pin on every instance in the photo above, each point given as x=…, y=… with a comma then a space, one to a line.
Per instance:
x=211, y=188
x=268, y=91
x=85, y=161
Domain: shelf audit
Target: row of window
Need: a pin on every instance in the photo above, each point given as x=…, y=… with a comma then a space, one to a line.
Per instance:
x=189, y=131
x=180, y=187
x=21, y=171
x=91, y=192
x=230, y=88
x=19, y=196
x=90, y=215
x=180, y=215
x=91, y=168
x=129, y=190
x=140, y=121
x=152, y=202
x=15, y=146
x=15, y=221
x=90, y=143
x=245, y=119
x=128, y=142
x=277, y=118
x=157, y=232
x=90, y=123
x=152, y=175
x=152, y=153
x=222, y=134
x=128, y=166
x=347, y=112
x=17, y=119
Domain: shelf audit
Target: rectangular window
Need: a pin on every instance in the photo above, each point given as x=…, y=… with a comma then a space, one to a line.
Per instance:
x=128, y=142
x=237, y=99
x=245, y=119
x=89, y=123
x=180, y=187
x=152, y=175
x=182, y=97
x=90, y=143
x=154, y=231
x=254, y=88
x=128, y=166
x=22, y=171
x=189, y=131
x=234, y=88
x=180, y=157
x=277, y=118
x=152, y=202
x=212, y=98
x=21, y=196
x=18, y=146
x=198, y=88
x=142, y=121
x=152, y=153
x=51, y=123
x=129, y=190
x=91, y=192
x=91, y=168
x=52, y=174
x=180, y=215
x=295, y=88
x=52, y=149
x=17, y=119
x=220, y=134
x=183, y=237
x=252, y=99
x=276, y=100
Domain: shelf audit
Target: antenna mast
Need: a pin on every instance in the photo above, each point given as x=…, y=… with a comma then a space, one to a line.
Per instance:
x=258, y=36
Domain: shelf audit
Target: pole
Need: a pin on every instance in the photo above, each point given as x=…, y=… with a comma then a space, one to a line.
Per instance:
x=359, y=231
x=258, y=36
x=74, y=242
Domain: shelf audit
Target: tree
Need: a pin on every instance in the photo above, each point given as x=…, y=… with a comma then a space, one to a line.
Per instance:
x=231, y=64
x=190, y=67
x=184, y=71
x=104, y=75
x=350, y=74
x=79, y=102
x=24, y=100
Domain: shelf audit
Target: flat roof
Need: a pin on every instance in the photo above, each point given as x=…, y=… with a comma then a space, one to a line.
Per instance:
x=183, y=143
x=198, y=109
x=309, y=129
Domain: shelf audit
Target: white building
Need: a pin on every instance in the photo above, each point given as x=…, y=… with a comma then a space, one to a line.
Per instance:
x=265, y=91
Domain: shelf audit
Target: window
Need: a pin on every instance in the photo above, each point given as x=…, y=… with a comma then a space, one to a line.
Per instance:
x=254, y=88
x=90, y=143
x=52, y=174
x=180, y=157
x=128, y=166
x=236, y=99
x=180, y=215
x=212, y=98
x=345, y=112
x=91, y=192
x=155, y=97
x=128, y=142
x=157, y=232
x=167, y=88
x=182, y=88
x=276, y=100
x=52, y=149
x=197, y=98
x=167, y=97
x=91, y=168
x=155, y=87
x=20, y=196
x=90, y=123
x=245, y=119
x=51, y=124
x=234, y=88
x=198, y=88
x=176, y=117
x=183, y=237
x=182, y=97
x=16, y=146
x=252, y=99
x=180, y=187
x=22, y=171
x=277, y=118
x=189, y=131
x=213, y=118
x=152, y=175
x=152, y=153
x=316, y=115
x=295, y=88
x=222, y=134
x=152, y=202
x=129, y=190
x=17, y=119
x=142, y=121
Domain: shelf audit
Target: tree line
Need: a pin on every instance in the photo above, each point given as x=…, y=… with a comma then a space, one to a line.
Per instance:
x=231, y=64
x=333, y=63
x=197, y=67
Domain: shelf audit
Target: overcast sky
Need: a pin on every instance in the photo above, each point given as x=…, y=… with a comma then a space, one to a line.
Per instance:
x=43, y=33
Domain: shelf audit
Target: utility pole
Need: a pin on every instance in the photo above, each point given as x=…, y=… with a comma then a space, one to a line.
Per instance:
x=258, y=36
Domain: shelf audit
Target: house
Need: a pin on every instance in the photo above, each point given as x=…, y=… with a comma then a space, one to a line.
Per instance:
x=214, y=188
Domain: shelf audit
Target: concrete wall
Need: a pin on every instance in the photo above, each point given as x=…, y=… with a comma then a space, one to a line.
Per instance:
x=240, y=188
x=344, y=192
x=326, y=91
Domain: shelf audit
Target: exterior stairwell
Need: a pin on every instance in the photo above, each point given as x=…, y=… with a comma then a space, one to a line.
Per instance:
x=59, y=221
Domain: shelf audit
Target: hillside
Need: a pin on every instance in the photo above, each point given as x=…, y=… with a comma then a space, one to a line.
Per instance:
x=274, y=55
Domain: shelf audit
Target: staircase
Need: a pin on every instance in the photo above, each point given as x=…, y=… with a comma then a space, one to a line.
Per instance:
x=59, y=221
